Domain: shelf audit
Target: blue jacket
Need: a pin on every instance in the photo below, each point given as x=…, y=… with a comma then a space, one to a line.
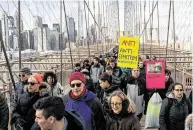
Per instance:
x=89, y=107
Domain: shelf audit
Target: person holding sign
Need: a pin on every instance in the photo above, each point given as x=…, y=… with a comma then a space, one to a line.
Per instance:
x=136, y=88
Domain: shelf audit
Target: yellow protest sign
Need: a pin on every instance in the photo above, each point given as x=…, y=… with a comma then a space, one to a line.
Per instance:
x=128, y=52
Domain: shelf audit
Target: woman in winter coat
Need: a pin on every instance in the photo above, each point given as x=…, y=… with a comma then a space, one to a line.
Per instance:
x=175, y=108
x=119, y=118
x=51, y=79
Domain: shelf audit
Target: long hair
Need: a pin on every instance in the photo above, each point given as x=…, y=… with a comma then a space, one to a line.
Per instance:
x=53, y=75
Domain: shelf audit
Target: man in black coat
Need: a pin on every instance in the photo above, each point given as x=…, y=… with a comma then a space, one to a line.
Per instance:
x=51, y=114
x=4, y=113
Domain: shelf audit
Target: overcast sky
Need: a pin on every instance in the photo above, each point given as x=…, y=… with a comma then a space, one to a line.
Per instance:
x=49, y=11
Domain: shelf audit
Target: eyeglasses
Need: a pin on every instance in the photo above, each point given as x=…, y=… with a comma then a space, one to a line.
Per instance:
x=32, y=83
x=77, y=85
x=23, y=75
x=117, y=104
x=179, y=90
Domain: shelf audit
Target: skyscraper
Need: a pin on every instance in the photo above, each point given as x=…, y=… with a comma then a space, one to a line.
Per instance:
x=71, y=28
x=5, y=30
x=46, y=35
x=37, y=21
x=38, y=39
x=16, y=22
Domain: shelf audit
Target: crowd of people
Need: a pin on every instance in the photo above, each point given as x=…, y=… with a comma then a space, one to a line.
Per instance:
x=102, y=96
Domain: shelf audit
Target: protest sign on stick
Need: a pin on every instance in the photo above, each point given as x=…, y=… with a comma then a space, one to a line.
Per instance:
x=128, y=52
x=155, y=74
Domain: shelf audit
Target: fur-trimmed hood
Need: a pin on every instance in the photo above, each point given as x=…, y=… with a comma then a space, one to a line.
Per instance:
x=44, y=89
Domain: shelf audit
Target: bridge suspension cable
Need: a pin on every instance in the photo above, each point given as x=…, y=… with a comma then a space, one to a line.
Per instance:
x=67, y=33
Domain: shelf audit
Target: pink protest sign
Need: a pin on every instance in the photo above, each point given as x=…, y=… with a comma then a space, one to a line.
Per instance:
x=155, y=74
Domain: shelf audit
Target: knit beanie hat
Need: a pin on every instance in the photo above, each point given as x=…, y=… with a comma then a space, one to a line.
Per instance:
x=26, y=70
x=38, y=77
x=77, y=76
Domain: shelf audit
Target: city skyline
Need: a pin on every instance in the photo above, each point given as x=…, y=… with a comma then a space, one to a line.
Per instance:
x=72, y=11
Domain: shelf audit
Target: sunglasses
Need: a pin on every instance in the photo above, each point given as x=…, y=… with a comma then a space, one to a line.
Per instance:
x=77, y=85
x=179, y=90
x=23, y=75
x=32, y=83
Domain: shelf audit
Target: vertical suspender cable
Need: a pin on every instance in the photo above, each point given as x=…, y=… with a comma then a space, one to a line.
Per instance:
x=95, y=27
x=19, y=35
x=144, y=34
x=79, y=15
x=68, y=33
x=118, y=20
x=151, y=29
x=174, y=36
x=168, y=31
x=158, y=36
x=87, y=39
x=61, y=47
x=140, y=17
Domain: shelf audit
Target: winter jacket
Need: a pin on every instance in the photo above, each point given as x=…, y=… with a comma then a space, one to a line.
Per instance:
x=173, y=113
x=87, y=104
x=23, y=114
x=129, y=122
x=122, y=121
x=117, y=72
x=95, y=72
x=89, y=84
x=135, y=91
x=124, y=78
x=20, y=88
x=106, y=95
x=4, y=113
x=56, y=89
x=142, y=73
